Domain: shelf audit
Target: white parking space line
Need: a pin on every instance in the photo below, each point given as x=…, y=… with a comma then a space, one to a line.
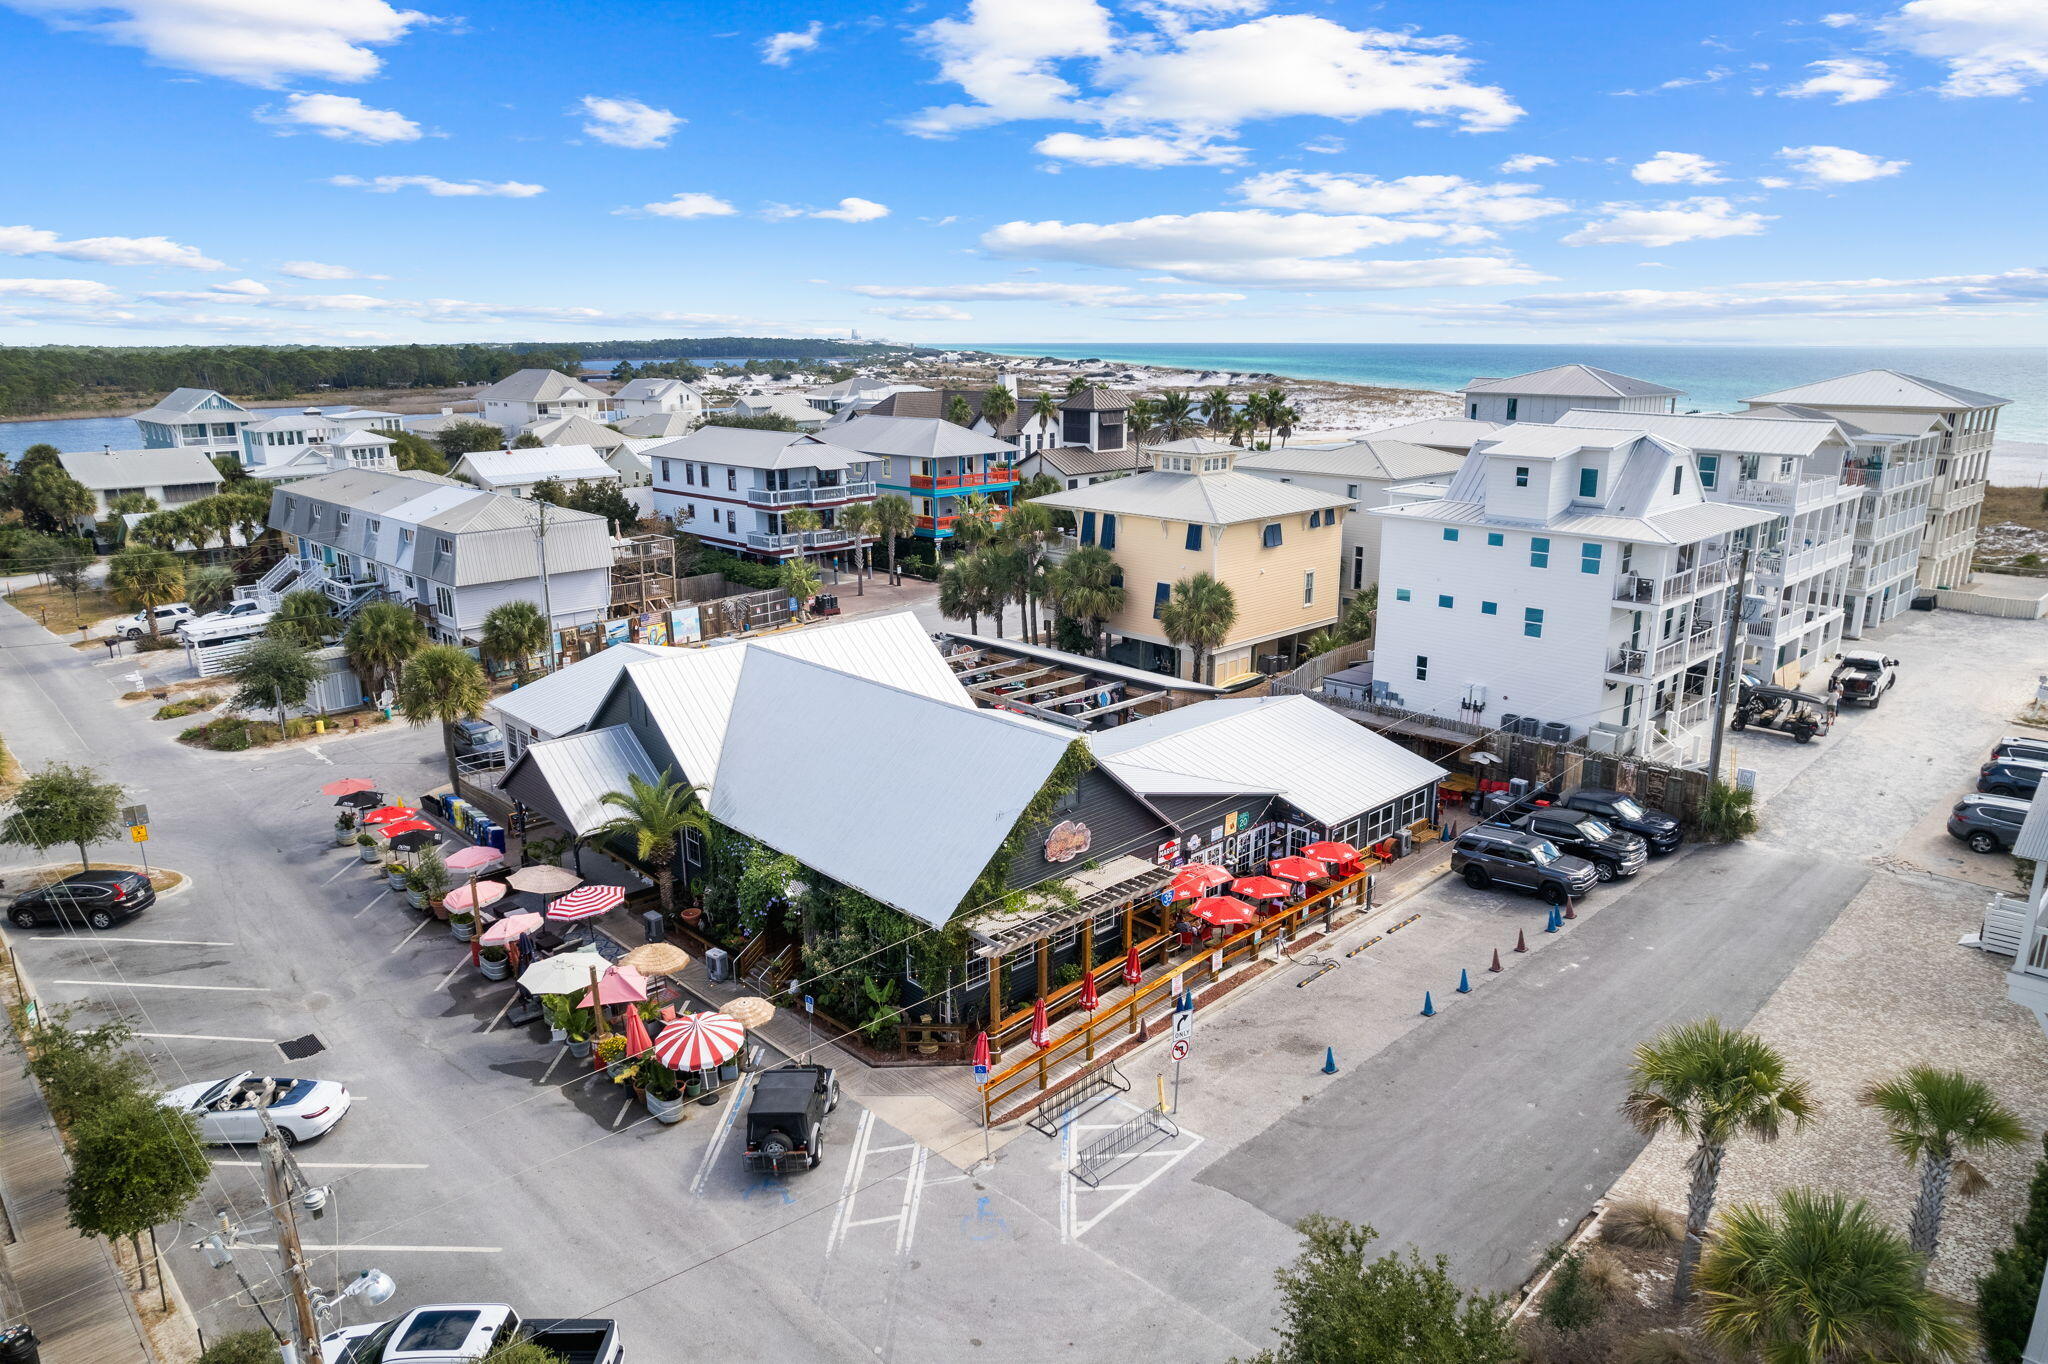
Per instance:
x=913, y=1198
x=205, y=1037
x=147, y=985
x=452, y=972
x=855, y=1159
x=560, y=1052
x=725, y=1126
x=330, y=1164
x=624, y=1108
x=154, y=942
x=341, y=871
x=1073, y=1224
x=311, y=1249
x=904, y=1218
x=503, y=1009
x=410, y=936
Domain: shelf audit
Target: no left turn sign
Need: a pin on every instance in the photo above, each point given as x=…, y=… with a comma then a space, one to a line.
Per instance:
x=1180, y=1050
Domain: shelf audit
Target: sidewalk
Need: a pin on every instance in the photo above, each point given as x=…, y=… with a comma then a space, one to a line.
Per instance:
x=65, y=1285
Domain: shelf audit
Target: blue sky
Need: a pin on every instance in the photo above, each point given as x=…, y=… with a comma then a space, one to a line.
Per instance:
x=1024, y=170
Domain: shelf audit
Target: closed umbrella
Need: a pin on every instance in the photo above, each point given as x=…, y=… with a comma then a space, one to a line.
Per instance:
x=699, y=1041
x=562, y=974
x=656, y=959
x=586, y=902
x=619, y=985
x=511, y=928
x=1261, y=888
x=637, y=1039
x=1089, y=1001
x=1041, y=1029
x=1298, y=868
x=1223, y=911
x=474, y=896
x=751, y=1010
x=347, y=786
x=468, y=859
x=981, y=1050
x=544, y=880
x=1134, y=970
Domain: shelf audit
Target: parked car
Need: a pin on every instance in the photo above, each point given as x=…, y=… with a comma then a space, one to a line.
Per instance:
x=480, y=743
x=230, y=1111
x=2019, y=746
x=1659, y=830
x=1864, y=675
x=168, y=619
x=1613, y=852
x=1987, y=823
x=461, y=1332
x=238, y=610
x=2011, y=777
x=1799, y=714
x=786, y=1117
x=99, y=898
x=1488, y=855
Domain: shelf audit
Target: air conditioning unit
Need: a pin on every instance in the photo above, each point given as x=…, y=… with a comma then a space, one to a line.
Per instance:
x=1557, y=731
x=1271, y=664
x=1512, y=724
x=1529, y=726
x=1605, y=738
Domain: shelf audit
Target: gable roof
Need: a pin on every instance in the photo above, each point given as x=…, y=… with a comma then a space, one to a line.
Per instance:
x=1376, y=459
x=517, y=468
x=917, y=437
x=1077, y=460
x=577, y=772
x=1445, y=433
x=779, y=405
x=1715, y=432
x=183, y=404
x=1328, y=767
x=658, y=425
x=1885, y=427
x=1573, y=381
x=564, y=700
x=751, y=449
x=573, y=428
x=653, y=390
x=99, y=470
x=946, y=820
x=1219, y=499
x=538, y=386
x=1883, y=388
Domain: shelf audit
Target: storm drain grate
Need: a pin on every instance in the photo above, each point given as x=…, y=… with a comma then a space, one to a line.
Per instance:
x=299, y=1048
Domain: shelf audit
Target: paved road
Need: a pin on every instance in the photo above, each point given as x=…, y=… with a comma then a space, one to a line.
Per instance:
x=1487, y=1132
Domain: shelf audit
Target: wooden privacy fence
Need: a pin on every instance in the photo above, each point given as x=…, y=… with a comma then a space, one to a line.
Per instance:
x=1110, y=1026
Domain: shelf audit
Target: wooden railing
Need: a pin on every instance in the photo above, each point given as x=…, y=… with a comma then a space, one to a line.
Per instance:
x=1035, y=1074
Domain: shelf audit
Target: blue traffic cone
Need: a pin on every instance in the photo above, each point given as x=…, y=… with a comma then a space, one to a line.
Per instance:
x=1428, y=1005
x=1554, y=922
x=1464, y=982
x=1329, y=1060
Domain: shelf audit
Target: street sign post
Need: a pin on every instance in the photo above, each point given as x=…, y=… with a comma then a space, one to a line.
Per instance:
x=138, y=831
x=1183, y=1035
x=811, y=1018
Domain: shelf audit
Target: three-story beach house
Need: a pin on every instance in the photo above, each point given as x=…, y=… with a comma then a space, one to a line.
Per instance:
x=934, y=464
x=733, y=487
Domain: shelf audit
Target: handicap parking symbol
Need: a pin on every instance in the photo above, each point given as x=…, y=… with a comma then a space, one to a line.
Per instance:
x=765, y=1183
x=983, y=1224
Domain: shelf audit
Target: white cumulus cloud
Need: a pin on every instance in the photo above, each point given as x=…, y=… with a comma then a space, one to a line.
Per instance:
x=1472, y=208
x=1517, y=165
x=1146, y=151
x=1677, y=168
x=778, y=48
x=1668, y=224
x=628, y=122
x=1851, y=80
x=688, y=204
x=926, y=312
x=76, y=291
x=36, y=241
x=1838, y=165
x=313, y=269
x=1990, y=47
x=268, y=43
x=439, y=188
x=853, y=210
x=343, y=117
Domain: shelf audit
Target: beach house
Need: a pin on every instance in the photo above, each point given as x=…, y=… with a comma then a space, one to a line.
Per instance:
x=934, y=464
x=195, y=419
x=658, y=398
x=294, y=445
x=1362, y=471
x=519, y=400
x=167, y=477
x=732, y=487
x=1544, y=395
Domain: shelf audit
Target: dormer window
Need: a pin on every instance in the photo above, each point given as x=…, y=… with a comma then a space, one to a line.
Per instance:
x=1177, y=464
x=1589, y=484
x=1215, y=464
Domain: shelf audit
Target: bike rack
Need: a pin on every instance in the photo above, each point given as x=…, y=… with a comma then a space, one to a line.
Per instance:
x=1056, y=1108
x=1098, y=1155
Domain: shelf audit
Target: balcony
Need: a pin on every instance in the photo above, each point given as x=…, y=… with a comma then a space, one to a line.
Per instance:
x=1892, y=523
x=1666, y=658
x=1638, y=589
x=936, y=525
x=1783, y=496
x=1795, y=564
x=1957, y=498
x=779, y=542
x=1885, y=477
x=810, y=494
x=1788, y=623
x=998, y=476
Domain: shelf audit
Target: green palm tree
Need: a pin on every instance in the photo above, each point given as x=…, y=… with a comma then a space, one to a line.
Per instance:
x=1198, y=616
x=1076, y=386
x=1284, y=420
x=654, y=814
x=146, y=578
x=976, y=521
x=306, y=618
x=1817, y=1279
x=858, y=520
x=1257, y=404
x=1088, y=587
x=513, y=632
x=1218, y=410
x=1046, y=409
x=1711, y=1084
x=380, y=638
x=959, y=412
x=1932, y=1116
x=1241, y=428
x=966, y=592
x=998, y=405
x=1276, y=409
x=1031, y=529
x=443, y=684
x=1176, y=416
x=894, y=519
x=209, y=588
x=798, y=580
x=1142, y=425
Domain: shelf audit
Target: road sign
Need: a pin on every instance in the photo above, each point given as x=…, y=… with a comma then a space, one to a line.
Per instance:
x=135, y=814
x=1180, y=1049
x=980, y=1070
x=139, y=833
x=810, y=1005
x=1183, y=1025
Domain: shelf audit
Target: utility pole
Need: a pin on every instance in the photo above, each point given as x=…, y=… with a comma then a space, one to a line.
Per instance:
x=547, y=603
x=1731, y=664
x=279, y=1192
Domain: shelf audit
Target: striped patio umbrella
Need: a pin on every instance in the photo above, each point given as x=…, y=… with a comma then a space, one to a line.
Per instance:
x=699, y=1041
x=586, y=902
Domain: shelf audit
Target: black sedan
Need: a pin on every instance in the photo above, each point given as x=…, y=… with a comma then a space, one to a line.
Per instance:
x=99, y=898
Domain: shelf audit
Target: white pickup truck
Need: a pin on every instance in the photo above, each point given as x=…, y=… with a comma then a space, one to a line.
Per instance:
x=461, y=1332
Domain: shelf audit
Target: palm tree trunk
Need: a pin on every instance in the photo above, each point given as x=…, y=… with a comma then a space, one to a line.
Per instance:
x=894, y=581
x=1923, y=1231
x=448, y=748
x=1699, y=1206
x=665, y=886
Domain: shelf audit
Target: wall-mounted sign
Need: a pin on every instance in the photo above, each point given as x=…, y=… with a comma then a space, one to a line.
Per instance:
x=1168, y=852
x=1068, y=840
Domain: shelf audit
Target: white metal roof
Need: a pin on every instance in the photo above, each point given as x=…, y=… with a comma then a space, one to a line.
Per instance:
x=1375, y=459
x=1724, y=433
x=1573, y=381
x=1542, y=440
x=1454, y=433
x=918, y=437
x=100, y=470
x=1680, y=526
x=564, y=700
x=517, y=468
x=183, y=405
x=573, y=428
x=2032, y=842
x=1218, y=499
x=750, y=449
x=652, y=390
x=1324, y=765
x=1883, y=388
x=957, y=778
x=581, y=769
x=538, y=386
x=666, y=425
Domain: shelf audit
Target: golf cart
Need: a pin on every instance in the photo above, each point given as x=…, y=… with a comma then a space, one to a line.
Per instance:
x=1799, y=714
x=786, y=1117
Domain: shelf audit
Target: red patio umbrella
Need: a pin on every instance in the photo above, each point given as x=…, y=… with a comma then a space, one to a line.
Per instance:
x=981, y=1050
x=1261, y=888
x=384, y=814
x=1298, y=868
x=1223, y=911
x=637, y=1039
x=1134, y=970
x=348, y=786
x=393, y=828
x=1332, y=852
x=1041, y=1030
x=1197, y=877
x=1089, y=1002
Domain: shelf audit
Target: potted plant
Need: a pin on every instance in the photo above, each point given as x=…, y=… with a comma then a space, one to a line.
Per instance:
x=661, y=1089
x=366, y=848
x=578, y=1025
x=430, y=878
x=491, y=960
x=611, y=1053
x=461, y=925
x=556, y=1009
x=693, y=1084
x=691, y=914
x=395, y=874
x=344, y=828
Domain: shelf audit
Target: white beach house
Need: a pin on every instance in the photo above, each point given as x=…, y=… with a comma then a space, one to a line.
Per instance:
x=730, y=486
x=1544, y=395
x=195, y=419
x=519, y=400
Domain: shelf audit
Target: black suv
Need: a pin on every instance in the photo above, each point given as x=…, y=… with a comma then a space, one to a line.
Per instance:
x=1489, y=855
x=786, y=1117
x=1613, y=853
x=2011, y=777
x=1987, y=823
x=1654, y=827
x=99, y=898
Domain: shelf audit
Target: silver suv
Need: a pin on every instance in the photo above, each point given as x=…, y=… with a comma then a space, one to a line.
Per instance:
x=1487, y=856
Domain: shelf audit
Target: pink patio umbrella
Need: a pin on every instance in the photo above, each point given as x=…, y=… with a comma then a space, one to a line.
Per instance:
x=1223, y=911
x=586, y=902
x=348, y=786
x=511, y=928
x=1302, y=869
x=474, y=896
x=1041, y=1029
x=1089, y=1001
x=699, y=1041
x=1134, y=970
x=620, y=985
x=1261, y=888
x=468, y=859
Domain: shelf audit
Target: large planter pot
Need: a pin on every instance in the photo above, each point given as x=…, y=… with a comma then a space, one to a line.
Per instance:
x=579, y=1047
x=692, y=1087
x=344, y=837
x=558, y=1035
x=462, y=930
x=729, y=1072
x=395, y=879
x=665, y=1110
x=417, y=899
x=691, y=915
x=440, y=910
x=373, y=853
x=494, y=970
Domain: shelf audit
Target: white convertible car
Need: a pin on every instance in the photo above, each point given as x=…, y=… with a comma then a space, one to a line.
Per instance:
x=230, y=1111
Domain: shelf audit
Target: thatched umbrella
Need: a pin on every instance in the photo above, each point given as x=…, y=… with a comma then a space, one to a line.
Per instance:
x=751, y=1010
x=656, y=959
